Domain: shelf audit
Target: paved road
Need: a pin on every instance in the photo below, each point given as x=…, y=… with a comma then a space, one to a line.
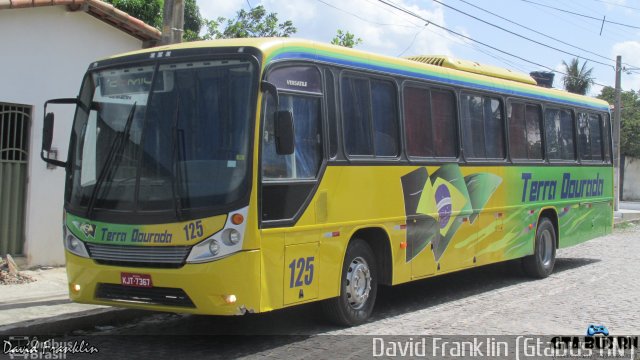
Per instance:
x=595, y=282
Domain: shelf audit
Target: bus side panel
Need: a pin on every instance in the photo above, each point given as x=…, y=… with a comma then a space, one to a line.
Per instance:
x=585, y=211
x=272, y=263
x=360, y=197
x=507, y=224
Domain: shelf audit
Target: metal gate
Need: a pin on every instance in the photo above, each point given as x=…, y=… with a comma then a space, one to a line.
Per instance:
x=14, y=145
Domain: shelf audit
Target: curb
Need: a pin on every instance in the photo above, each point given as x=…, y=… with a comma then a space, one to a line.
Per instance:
x=626, y=222
x=66, y=323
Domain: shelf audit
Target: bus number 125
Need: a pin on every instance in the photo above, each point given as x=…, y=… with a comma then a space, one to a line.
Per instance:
x=304, y=267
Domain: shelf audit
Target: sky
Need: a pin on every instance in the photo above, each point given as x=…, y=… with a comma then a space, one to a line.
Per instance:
x=389, y=31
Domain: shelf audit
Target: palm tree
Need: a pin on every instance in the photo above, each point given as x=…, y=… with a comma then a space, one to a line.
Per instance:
x=577, y=78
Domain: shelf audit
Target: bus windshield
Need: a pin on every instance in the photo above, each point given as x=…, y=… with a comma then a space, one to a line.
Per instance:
x=165, y=137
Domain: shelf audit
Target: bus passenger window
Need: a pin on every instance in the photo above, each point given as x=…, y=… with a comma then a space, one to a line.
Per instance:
x=558, y=126
x=385, y=118
x=590, y=136
x=595, y=128
x=356, y=110
x=331, y=114
x=524, y=131
x=369, y=117
x=417, y=120
x=606, y=138
x=482, y=126
x=429, y=117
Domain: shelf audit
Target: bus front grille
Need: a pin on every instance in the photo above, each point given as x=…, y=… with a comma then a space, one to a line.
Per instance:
x=139, y=256
x=152, y=296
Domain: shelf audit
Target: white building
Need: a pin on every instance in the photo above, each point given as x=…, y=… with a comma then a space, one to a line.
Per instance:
x=45, y=48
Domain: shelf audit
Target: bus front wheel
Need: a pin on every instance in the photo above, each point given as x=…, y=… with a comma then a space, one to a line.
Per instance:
x=540, y=264
x=358, y=287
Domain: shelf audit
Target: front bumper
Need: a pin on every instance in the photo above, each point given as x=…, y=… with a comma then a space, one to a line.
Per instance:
x=206, y=285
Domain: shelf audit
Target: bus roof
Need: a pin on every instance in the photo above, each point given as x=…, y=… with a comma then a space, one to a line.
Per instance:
x=276, y=49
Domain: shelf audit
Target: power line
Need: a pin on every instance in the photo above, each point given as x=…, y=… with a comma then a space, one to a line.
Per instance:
x=540, y=33
x=375, y=3
x=521, y=36
x=473, y=40
x=413, y=41
x=359, y=17
x=582, y=15
x=470, y=45
x=535, y=31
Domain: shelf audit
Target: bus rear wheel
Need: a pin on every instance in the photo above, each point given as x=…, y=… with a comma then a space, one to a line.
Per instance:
x=358, y=287
x=540, y=264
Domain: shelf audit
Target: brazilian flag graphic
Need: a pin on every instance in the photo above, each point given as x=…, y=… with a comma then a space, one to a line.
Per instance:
x=436, y=205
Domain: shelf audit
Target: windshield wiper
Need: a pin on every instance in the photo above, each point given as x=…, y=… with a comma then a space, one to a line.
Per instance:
x=175, y=183
x=114, y=151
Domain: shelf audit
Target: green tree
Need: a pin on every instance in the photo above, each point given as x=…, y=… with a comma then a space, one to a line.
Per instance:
x=578, y=78
x=254, y=23
x=346, y=39
x=629, y=120
x=193, y=21
x=150, y=11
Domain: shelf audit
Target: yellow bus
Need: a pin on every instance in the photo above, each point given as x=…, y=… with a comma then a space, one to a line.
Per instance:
x=247, y=175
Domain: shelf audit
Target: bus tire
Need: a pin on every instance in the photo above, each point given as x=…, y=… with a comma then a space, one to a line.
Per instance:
x=540, y=264
x=358, y=287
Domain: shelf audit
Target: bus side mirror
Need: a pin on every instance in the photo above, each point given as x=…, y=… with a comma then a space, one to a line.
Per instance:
x=47, y=132
x=284, y=132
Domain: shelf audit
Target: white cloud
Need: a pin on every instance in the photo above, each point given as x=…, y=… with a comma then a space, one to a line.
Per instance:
x=213, y=9
x=629, y=51
x=383, y=29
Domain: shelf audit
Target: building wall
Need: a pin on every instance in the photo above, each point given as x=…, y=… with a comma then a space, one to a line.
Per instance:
x=631, y=190
x=44, y=53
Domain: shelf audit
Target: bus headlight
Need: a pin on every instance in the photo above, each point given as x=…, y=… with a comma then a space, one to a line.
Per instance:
x=214, y=247
x=231, y=236
x=74, y=245
x=223, y=243
x=210, y=249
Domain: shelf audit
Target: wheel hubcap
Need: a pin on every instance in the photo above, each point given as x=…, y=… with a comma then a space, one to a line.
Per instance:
x=358, y=283
x=546, y=248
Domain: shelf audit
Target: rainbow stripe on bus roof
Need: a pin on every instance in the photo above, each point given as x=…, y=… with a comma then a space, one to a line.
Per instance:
x=308, y=50
x=300, y=49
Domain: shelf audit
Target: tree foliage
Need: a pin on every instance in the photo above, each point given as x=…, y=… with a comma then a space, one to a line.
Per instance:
x=578, y=78
x=150, y=11
x=253, y=23
x=346, y=39
x=629, y=120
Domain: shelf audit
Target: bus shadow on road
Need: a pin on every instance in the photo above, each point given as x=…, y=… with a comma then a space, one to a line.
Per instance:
x=438, y=290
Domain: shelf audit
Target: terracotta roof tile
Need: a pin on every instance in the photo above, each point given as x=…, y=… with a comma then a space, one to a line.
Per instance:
x=99, y=9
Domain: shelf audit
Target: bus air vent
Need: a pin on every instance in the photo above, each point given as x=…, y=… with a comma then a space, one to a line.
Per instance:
x=473, y=67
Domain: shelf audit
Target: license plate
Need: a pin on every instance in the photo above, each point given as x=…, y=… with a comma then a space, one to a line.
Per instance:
x=137, y=280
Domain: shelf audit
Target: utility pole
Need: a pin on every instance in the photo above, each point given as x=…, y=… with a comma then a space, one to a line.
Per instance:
x=172, y=22
x=616, y=135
